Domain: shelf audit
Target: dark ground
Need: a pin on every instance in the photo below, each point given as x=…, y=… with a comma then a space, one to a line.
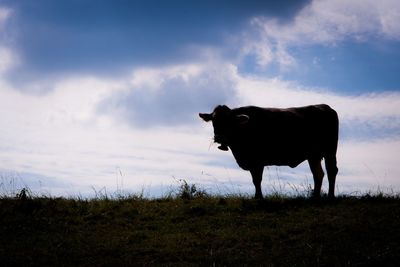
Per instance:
x=203, y=230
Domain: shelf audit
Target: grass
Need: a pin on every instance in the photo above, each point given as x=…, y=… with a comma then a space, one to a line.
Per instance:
x=192, y=228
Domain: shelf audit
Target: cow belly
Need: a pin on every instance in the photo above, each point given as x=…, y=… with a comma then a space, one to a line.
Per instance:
x=249, y=164
x=253, y=159
x=292, y=163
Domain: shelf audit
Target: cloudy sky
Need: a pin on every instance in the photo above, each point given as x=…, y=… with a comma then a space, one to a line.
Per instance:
x=104, y=95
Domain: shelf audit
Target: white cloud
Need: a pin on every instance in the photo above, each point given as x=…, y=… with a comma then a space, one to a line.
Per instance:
x=325, y=22
x=369, y=166
x=4, y=15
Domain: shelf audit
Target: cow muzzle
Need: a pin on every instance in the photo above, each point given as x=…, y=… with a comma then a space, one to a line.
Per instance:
x=221, y=140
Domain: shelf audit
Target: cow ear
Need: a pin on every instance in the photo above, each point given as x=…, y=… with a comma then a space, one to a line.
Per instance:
x=241, y=119
x=206, y=117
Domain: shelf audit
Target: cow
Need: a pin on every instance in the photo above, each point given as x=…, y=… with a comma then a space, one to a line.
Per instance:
x=261, y=137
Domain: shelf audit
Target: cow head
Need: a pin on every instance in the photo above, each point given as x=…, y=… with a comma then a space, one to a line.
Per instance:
x=224, y=123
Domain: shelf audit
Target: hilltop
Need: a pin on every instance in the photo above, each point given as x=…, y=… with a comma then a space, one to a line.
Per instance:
x=200, y=230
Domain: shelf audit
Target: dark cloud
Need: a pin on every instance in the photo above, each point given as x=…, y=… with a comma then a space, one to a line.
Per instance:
x=109, y=36
x=177, y=101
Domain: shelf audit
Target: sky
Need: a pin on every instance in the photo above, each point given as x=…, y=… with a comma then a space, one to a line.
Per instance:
x=103, y=96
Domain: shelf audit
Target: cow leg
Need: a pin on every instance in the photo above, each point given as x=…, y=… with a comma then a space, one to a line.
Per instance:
x=332, y=170
x=256, y=174
x=318, y=175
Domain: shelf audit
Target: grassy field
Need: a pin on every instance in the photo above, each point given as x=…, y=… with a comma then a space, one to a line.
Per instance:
x=192, y=229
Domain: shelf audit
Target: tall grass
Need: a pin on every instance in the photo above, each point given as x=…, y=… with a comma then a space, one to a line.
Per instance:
x=12, y=185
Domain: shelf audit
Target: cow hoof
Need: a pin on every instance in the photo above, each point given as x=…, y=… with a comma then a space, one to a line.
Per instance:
x=315, y=195
x=259, y=197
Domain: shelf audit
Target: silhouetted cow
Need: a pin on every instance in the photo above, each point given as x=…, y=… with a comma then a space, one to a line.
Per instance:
x=261, y=137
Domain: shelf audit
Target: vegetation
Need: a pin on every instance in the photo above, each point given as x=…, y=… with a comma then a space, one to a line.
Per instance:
x=192, y=228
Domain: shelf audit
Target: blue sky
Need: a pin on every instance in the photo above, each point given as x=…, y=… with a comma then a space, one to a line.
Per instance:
x=93, y=93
